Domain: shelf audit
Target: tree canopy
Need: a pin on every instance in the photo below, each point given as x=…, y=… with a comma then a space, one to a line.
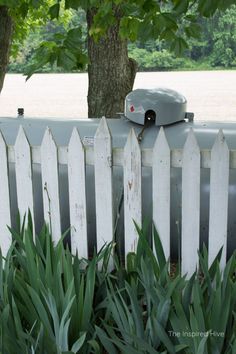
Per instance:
x=174, y=22
x=215, y=47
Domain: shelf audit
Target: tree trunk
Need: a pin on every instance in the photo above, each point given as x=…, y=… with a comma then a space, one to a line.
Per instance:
x=111, y=72
x=6, y=27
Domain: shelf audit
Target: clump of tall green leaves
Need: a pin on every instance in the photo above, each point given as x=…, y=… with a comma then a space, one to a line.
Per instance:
x=155, y=312
x=48, y=298
x=54, y=302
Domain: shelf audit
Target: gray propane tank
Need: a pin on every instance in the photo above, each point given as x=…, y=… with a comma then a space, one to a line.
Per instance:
x=176, y=134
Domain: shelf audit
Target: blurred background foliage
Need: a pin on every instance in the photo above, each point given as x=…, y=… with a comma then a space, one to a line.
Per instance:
x=214, y=48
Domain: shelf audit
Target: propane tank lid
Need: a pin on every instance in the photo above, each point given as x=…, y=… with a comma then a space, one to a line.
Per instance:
x=162, y=105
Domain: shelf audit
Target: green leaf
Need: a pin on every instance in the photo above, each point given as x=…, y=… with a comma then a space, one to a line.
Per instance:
x=24, y=8
x=167, y=20
x=229, y=270
x=72, y=4
x=167, y=35
x=151, y=6
x=159, y=249
x=54, y=11
x=144, y=249
x=95, y=345
x=129, y=27
x=36, y=3
x=215, y=264
x=10, y=3
x=131, y=262
x=31, y=257
x=27, y=307
x=165, y=339
x=136, y=311
x=207, y=7
x=106, y=341
x=178, y=46
x=187, y=295
x=121, y=314
x=73, y=38
x=181, y=6
x=180, y=347
x=197, y=305
x=17, y=319
x=89, y=294
x=202, y=346
x=64, y=326
x=142, y=345
x=79, y=343
x=51, y=304
x=163, y=314
x=66, y=59
x=42, y=313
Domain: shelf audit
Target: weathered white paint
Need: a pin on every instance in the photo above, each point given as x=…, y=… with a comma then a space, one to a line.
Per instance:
x=50, y=185
x=161, y=190
x=24, y=183
x=219, y=183
x=103, y=184
x=77, y=195
x=118, y=156
x=190, y=205
x=132, y=191
x=103, y=158
x=5, y=215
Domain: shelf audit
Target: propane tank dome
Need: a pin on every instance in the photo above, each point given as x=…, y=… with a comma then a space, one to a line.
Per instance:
x=162, y=105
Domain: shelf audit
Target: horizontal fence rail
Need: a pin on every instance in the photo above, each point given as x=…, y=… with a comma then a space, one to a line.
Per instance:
x=176, y=156
x=132, y=158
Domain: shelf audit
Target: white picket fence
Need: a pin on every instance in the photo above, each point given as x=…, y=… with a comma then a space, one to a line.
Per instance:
x=132, y=158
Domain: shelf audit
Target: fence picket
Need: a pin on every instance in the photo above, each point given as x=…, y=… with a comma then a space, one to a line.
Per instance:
x=161, y=190
x=190, y=205
x=5, y=215
x=49, y=166
x=132, y=191
x=24, y=183
x=219, y=182
x=103, y=184
x=77, y=195
x=161, y=159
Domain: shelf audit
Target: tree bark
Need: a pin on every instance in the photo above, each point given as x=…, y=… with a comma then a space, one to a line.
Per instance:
x=6, y=27
x=111, y=72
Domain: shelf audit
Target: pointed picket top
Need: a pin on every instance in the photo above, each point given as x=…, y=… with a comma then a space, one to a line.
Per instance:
x=190, y=205
x=24, y=182
x=132, y=191
x=191, y=144
x=77, y=195
x=132, y=143
x=103, y=144
x=161, y=189
x=161, y=143
x=21, y=139
x=220, y=145
x=103, y=190
x=48, y=139
x=5, y=216
x=50, y=185
x=75, y=141
x=102, y=130
x=219, y=184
